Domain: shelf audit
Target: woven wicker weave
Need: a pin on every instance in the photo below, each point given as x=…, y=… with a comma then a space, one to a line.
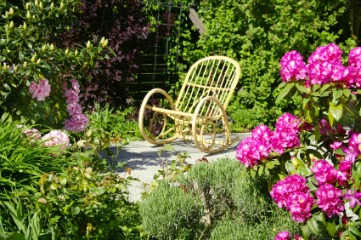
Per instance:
x=199, y=113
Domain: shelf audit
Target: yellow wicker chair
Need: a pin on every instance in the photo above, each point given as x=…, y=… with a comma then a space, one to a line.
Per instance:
x=199, y=113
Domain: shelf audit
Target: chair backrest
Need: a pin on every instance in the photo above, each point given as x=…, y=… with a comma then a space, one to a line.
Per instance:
x=215, y=76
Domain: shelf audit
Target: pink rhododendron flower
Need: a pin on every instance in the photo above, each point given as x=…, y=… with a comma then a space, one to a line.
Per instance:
x=353, y=148
x=71, y=96
x=74, y=108
x=75, y=85
x=336, y=145
x=283, y=235
x=329, y=53
x=33, y=133
x=56, y=138
x=300, y=205
x=354, y=198
x=286, y=133
x=328, y=199
x=354, y=57
x=40, y=91
x=247, y=152
x=345, y=166
x=293, y=67
x=324, y=172
x=76, y=123
x=283, y=189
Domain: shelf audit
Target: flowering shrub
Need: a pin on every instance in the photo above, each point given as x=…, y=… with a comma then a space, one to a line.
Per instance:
x=34, y=65
x=312, y=160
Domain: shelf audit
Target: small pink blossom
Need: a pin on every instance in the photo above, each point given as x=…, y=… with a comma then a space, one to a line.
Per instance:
x=76, y=123
x=354, y=57
x=40, y=91
x=74, y=109
x=336, y=145
x=71, y=96
x=32, y=134
x=354, y=198
x=283, y=235
x=56, y=138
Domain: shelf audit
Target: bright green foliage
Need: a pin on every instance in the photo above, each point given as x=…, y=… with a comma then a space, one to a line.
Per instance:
x=258, y=33
x=29, y=52
x=83, y=204
x=108, y=126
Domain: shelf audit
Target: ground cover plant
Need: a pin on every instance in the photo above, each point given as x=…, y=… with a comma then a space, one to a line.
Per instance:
x=312, y=160
x=210, y=200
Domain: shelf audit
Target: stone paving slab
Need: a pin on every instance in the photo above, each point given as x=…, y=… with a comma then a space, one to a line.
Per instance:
x=144, y=161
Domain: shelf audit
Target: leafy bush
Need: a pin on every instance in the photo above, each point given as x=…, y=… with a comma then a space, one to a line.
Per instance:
x=81, y=203
x=30, y=54
x=257, y=33
x=229, y=203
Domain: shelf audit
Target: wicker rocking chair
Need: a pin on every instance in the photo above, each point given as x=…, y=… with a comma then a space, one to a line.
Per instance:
x=199, y=113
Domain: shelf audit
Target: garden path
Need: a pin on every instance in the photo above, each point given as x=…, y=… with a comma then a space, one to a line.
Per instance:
x=144, y=161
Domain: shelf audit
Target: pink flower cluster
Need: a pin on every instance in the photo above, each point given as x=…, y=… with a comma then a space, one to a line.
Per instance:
x=77, y=121
x=263, y=140
x=293, y=194
x=40, y=91
x=329, y=200
x=324, y=66
x=56, y=138
x=284, y=235
x=326, y=173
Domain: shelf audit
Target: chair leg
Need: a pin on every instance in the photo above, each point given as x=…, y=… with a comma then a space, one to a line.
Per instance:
x=210, y=135
x=155, y=126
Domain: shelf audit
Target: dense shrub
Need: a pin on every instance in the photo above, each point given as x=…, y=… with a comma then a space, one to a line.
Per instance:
x=222, y=199
x=257, y=33
x=30, y=55
x=125, y=26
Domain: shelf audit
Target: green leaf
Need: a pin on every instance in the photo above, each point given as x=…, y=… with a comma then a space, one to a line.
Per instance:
x=272, y=164
x=301, y=88
x=323, y=88
x=355, y=231
x=335, y=111
x=336, y=95
x=331, y=228
x=284, y=92
x=347, y=92
x=305, y=101
x=313, y=226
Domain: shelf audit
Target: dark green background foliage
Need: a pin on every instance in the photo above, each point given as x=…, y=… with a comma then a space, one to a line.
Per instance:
x=258, y=34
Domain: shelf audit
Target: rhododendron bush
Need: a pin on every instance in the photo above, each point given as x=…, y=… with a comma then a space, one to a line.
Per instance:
x=40, y=79
x=312, y=160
